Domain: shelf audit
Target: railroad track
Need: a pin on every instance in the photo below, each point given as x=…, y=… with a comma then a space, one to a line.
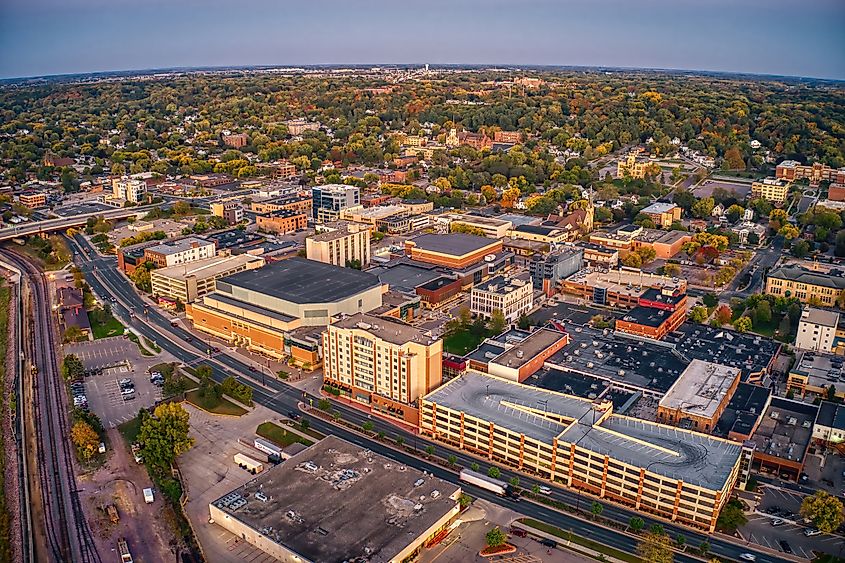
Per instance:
x=68, y=535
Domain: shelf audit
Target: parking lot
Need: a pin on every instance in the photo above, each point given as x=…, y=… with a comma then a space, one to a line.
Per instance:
x=760, y=529
x=707, y=187
x=106, y=400
x=105, y=352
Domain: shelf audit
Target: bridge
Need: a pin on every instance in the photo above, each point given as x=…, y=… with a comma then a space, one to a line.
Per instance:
x=62, y=223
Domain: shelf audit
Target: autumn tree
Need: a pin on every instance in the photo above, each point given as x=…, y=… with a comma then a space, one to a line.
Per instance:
x=824, y=510
x=734, y=160
x=85, y=439
x=743, y=324
x=698, y=314
x=789, y=232
x=655, y=548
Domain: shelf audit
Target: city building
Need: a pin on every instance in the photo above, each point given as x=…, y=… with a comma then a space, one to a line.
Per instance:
x=181, y=251
x=622, y=287
x=439, y=291
x=542, y=233
x=260, y=309
x=236, y=140
x=513, y=297
x=633, y=167
x=32, y=199
x=340, y=247
x=282, y=221
x=522, y=359
x=456, y=250
x=791, y=170
x=290, y=202
x=382, y=363
x=657, y=313
x=490, y=227
x=71, y=309
x=679, y=474
x=829, y=427
x=809, y=286
x=630, y=238
x=374, y=216
x=232, y=212
x=663, y=214
x=598, y=256
x=817, y=374
x=300, y=126
x=817, y=330
x=211, y=180
x=836, y=192
x=513, y=137
x=699, y=396
x=782, y=438
x=548, y=271
x=329, y=200
x=770, y=189
x=417, y=206
x=186, y=283
x=129, y=189
x=335, y=502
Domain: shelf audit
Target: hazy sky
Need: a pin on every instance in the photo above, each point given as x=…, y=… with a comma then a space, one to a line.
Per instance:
x=792, y=37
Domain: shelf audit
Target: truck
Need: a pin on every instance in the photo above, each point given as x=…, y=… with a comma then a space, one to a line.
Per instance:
x=488, y=483
x=268, y=448
x=123, y=550
x=252, y=465
x=148, y=496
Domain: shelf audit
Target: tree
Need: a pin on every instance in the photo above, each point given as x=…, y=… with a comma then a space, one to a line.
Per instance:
x=734, y=212
x=494, y=472
x=164, y=436
x=800, y=249
x=655, y=548
x=647, y=254
x=497, y=322
x=429, y=450
x=731, y=517
x=596, y=509
x=514, y=481
x=85, y=439
x=710, y=300
x=704, y=547
x=703, y=208
x=763, y=313
x=535, y=488
x=475, y=467
x=399, y=441
x=824, y=510
x=181, y=208
x=671, y=270
x=636, y=524
x=72, y=367
x=524, y=322
x=73, y=334
x=734, y=160
x=788, y=232
x=495, y=537
x=633, y=260
x=452, y=459
x=681, y=540
x=368, y=426
x=698, y=314
x=723, y=315
x=743, y=324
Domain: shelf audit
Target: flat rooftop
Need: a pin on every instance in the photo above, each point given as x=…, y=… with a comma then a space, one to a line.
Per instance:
x=659, y=208
x=701, y=388
x=386, y=328
x=672, y=452
x=406, y=276
x=454, y=244
x=647, y=316
x=821, y=317
x=529, y=348
x=480, y=220
x=821, y=370
x=786, y=429
x=177, y=246
x=337, y=502
x=744, y=410
x=831, y=415
x=622, y=282
x=299, y=280
x=501, y=284
x=207, y=268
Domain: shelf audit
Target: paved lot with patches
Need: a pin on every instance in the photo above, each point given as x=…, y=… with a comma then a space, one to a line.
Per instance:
x=706, y=188
x=105, y=353
x=759, y=528
x=106, y=400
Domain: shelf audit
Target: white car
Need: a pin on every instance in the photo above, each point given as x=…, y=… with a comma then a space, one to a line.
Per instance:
x=545, y=490
x=810, y=532
x=748, y=557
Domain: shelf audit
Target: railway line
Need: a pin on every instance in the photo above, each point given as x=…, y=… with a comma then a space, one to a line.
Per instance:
x=68, y=536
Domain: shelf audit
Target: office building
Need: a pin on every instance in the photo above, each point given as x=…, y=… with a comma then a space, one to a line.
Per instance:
x=329, y=200
x=181, y=251
x=341, y=247
x=281, y=222
x=513, y=297
x=335, y=502
x=791, y=170
x=792, y=280
x=630, y=238
x=782, y=438
x=291, y=202
x=232, y=212
x=186, y=283
x=770, y=189
x=454, y=250
x=33, y=200
x=547, y=271
x=657, y=313
x=663, y=214
x=699, y=396
x=817, y=330
x=486, y=226
x=679, y=474
x=619, y=287
x=382, y=363
x=129, y=189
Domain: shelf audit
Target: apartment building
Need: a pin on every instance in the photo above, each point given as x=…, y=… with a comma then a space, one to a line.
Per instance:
x=329, y=200
x=513, y=297
x=236, y=140
x=549, y=270
x=382, y=363
x=300, y=126
x=188, y=282
x=663, y=214
x=340, y=247
x=791, y=170
x=514, y=137
x=33, y=200
x=232, y=212
x=282, y=221
x=809, y=286
x=678, y=474
x=129, y=189
x=293, y=202
x=180, y=251
x=817, y=330
x=770, y=189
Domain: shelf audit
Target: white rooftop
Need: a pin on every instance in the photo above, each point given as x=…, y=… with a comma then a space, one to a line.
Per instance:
x=700, y=389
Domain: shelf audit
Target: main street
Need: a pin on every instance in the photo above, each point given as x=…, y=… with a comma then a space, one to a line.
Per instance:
x=107, y=282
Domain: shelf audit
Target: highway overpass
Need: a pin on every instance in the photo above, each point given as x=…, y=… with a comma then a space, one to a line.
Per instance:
x=63, y=223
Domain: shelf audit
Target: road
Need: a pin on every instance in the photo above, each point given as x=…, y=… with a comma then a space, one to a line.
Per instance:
x=68, y=537
x=52, y=225
x=106, y=281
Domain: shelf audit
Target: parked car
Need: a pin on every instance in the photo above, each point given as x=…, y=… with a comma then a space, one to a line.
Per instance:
x=777, y=522
x=518, y=532
x=784, y=545
x=810, y=532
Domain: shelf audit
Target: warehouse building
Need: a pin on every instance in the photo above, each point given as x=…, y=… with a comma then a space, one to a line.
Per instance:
x=679, y=474
x=335, y=502
x=188, y=282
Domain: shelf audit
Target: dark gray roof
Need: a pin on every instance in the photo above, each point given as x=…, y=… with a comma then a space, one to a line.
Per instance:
x=299, y=280
x=832, y=415
x=834, y=279
x=456, y=244
x=536, y=229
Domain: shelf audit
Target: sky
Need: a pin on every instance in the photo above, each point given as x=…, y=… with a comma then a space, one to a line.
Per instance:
x=784, y=37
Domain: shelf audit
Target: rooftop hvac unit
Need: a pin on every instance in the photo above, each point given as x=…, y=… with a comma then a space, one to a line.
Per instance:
x=775, y=415
x=589, y=364
x=792, y=421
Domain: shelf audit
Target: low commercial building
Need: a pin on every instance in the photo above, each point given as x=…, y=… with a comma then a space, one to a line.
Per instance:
x=372, y=216
x=417, y=206
x=631, y=238
x=490, y=227
x=72, y=311
x=547, y=272
x=681, y=475
x=783, y=437
x=33, y=200
x=181, y=251
x=817, y=330
x=186, y=283
x=523, y=359
x=231, y=211
x=282, y=222
x=456, y=250
x=341, y=247
x=663, y=214
x=382, y=363
x=335, y=502
x=513, y=297
x=817, y=374
x=699, y=396
x=439, y=291
x=658, y=312
x=829, y=427
x=807, y=285
x=598, y=256
x=770, y=189
x=622, y=287
x=291, y=202
x=792, y=170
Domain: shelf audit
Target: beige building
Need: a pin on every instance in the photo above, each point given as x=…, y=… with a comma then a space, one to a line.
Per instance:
x=190, y=281
x=770, y=189
x=491, y=228
x=129, y=189
x=632, y=167
x=817, y=330
x=513, y=297
x=809, y=286
x=340, y=247
x=382, y=362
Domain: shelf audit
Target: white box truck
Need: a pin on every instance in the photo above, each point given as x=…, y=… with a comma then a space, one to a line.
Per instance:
x=488, y=483
x=252, y=465
x=148, y=496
